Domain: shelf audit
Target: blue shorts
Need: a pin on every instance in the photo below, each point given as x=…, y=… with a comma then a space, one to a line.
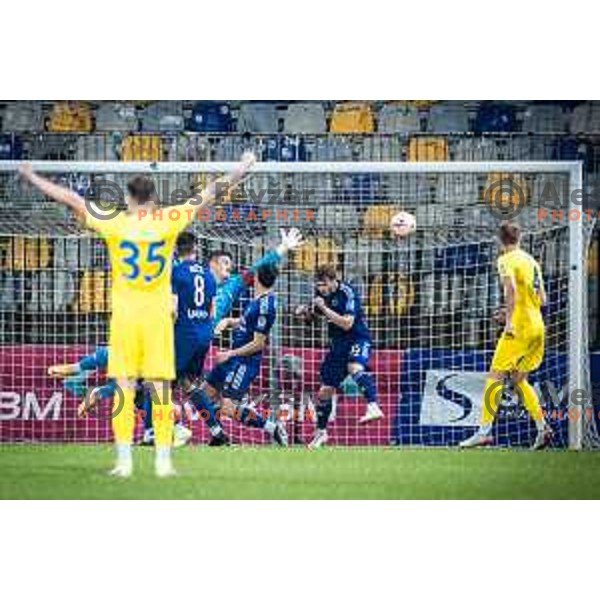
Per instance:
x=234, y=377
x=191, y=351
x=334, y=368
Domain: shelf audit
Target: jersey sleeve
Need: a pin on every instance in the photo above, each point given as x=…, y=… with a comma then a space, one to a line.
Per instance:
x=106, y=226
x=97, y=360
x=349, y=302
x=505, y=268
x=272, y=257
x=265, y=318
x=227, y=295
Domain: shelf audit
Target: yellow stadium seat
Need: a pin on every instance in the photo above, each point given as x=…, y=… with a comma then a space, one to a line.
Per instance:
x=352, y=117
x=506, y=189
x=93, y=293
x=146, y=148
x=28, y=254
x=403, y=296
x=316, y=252
x=374, y=306
x=424, y=149
x=376, y=223
x=70, y=117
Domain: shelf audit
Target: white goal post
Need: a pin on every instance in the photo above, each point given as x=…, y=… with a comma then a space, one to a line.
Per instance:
x=436, y=191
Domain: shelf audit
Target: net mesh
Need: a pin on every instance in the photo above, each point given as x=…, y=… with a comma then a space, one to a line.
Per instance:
x=429, y=298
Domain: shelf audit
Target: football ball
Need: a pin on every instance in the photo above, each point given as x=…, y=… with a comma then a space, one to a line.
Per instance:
x=403, y=224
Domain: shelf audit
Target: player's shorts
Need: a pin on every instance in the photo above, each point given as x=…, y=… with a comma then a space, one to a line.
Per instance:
x=334, y=368
x=234, y=377
x=141, y=344
x=191, y=350
x=520, y=353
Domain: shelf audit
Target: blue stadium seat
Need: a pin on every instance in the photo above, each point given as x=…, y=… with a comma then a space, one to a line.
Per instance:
x=213, y=117
x=287, y=148
x=11, y=147
x=493, y=118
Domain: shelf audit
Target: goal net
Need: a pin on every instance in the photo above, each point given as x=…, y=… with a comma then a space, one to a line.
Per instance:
x=429, y=299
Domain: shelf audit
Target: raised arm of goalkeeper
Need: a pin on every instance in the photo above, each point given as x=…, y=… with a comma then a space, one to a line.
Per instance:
x=230, y=291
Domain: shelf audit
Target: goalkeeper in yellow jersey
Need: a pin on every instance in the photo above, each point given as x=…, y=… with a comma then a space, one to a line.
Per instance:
x=140, y=242
x=520, y=349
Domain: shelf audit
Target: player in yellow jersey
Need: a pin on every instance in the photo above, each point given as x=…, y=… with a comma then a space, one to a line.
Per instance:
x=140, y=242
x=520, y=349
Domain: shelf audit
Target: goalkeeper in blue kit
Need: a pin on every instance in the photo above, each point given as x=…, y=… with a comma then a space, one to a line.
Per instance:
x=204, y=294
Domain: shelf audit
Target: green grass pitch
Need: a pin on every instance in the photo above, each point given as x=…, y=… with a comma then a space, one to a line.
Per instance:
x=73, y=471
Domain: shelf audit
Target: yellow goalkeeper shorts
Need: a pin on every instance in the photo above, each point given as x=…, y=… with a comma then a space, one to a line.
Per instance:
x=522, y=352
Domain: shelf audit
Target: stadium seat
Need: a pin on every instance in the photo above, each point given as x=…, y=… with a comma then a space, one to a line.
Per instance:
x=422, y=149
x=258, y=117
x=165, y=115
x=492, y=118
x=456, y=189
x=544, y=118
x=305, y=117
x=586, y=118
x=515, y=192
x=352, y=117
x=399, y=117
x=97, y=147
x=11, y=147
x=93, y=296
x=376, y=221
x=148, y=148
x=363, y=256
x=116, y=116
x=70, y=117
x=23, y=117
x=28, y=254
x=475, y=149
x=448, y=117
x=316, y=252
x=374, y=303
x=378, y=148
x=210, y=117
x=286, y=148
x=401, y=295
x=337, y=216
x=52, y=147
x=8, y=296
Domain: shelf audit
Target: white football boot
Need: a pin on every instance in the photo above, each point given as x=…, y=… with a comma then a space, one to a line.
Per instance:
x=319, y=440
x=373, y=413
x=543, y=438
x=476, y=440
x=181, y=435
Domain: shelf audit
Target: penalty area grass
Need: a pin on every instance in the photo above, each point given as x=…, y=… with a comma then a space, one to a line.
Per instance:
x=70, y=471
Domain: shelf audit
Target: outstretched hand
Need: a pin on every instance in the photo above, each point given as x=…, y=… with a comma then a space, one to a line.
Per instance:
x=26, y=171
x=290, y=240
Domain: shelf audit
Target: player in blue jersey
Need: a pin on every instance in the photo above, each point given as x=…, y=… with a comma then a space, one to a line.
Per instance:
x=350, y=348
x=237, y=368
x=203, y=295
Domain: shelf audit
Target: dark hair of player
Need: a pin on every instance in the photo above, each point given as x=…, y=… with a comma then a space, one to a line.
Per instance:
x=325, y=272
x=220, y=254
x=141, y=189
x=509, y=234
x=267, y=275
x=186, y=243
